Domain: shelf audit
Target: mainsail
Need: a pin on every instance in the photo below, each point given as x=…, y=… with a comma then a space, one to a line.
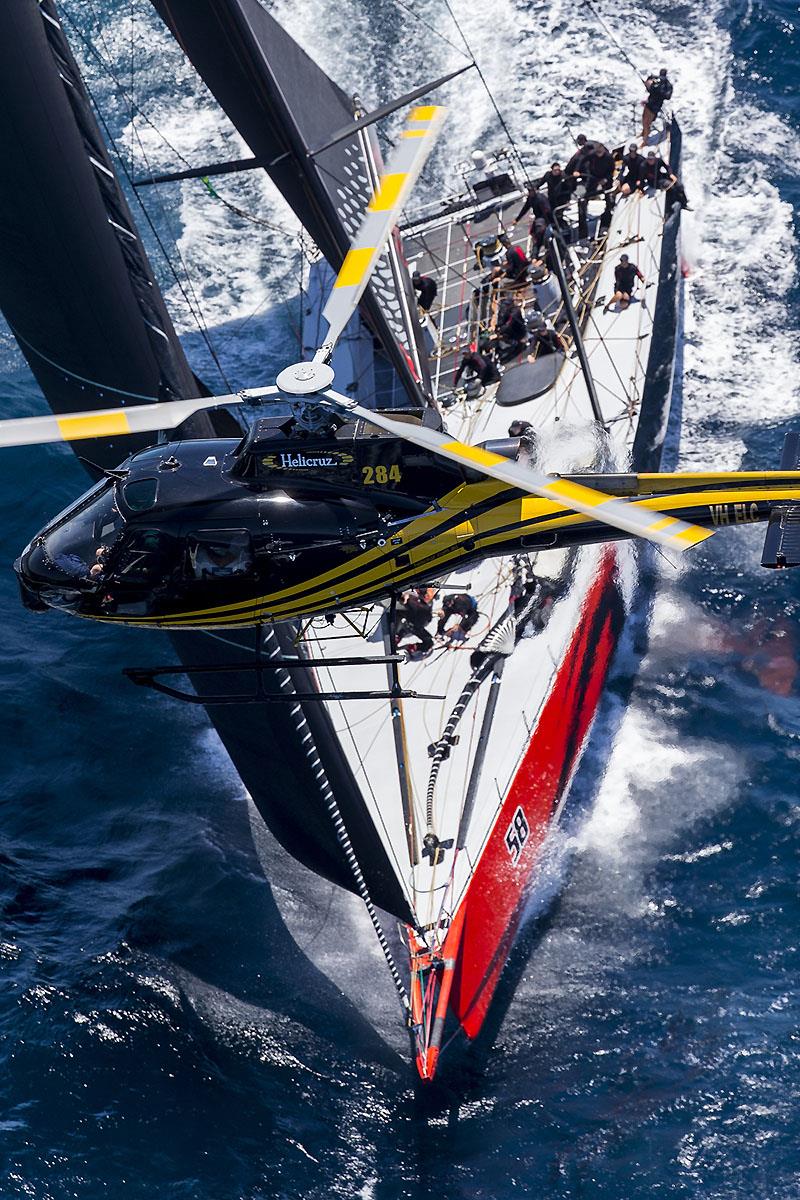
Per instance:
x=80, y=296
x=75, y=287
x=285, y=107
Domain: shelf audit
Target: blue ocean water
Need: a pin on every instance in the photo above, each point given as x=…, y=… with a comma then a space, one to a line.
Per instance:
x=161, y=1036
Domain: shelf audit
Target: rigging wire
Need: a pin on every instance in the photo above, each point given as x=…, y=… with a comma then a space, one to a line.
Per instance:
x=613, y=38
x=192, y=303
x=489, y=93
x=407, y=8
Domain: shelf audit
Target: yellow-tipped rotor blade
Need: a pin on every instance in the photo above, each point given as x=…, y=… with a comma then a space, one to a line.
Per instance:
x=402, y=172
x=619, y=514
x=111, y=422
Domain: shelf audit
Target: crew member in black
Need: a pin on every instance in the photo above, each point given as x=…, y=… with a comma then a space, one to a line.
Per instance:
x=539, y=206
x=659, y=89
x=631, y=170
x=511, y=330
x=559, y=186
x=625, y=275
x=656, y=174
x=459, y=604
x=414, y=614
x=427, y=289
x=544, y=339
x=597, y=170
x=480, y=361
x=517, y=263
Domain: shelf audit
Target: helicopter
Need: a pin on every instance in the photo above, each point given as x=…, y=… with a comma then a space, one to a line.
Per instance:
x=325, y=504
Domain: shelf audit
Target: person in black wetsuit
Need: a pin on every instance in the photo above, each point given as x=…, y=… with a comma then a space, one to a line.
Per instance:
x=659, y=89
x=542, y=216
x=427, y=289
x=625, y=275
x=544, y=339
x=517, y=263
x=511, y=330
x=413, y=615
x=459, y=604
x=631, y=170
x=597, y=170
x=480, y=361
x=559, y=187
x=656, y=174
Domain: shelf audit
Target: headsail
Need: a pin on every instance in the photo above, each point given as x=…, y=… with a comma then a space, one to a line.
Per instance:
x=284, y=106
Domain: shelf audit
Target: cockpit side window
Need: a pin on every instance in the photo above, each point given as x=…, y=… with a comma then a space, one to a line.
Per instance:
x=143, y=556
x=140, y=494
x=219, y=553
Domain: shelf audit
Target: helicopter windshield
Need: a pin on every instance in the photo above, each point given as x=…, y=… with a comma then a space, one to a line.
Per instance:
x=79, y=544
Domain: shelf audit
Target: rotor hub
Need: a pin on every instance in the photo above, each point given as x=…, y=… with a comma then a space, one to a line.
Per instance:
x=305, y=378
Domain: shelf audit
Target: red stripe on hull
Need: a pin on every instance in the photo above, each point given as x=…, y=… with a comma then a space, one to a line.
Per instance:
x=494, y=900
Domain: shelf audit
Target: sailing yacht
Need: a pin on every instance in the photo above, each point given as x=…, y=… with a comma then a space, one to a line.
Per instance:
x=419, y=750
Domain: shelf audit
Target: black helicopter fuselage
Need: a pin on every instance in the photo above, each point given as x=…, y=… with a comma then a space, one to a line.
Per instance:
x=205, y=534
x=199, y=525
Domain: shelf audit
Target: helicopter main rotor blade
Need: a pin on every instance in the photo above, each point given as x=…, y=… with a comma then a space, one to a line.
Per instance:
x=111, y=422
x=619, y=514
x=402, y=171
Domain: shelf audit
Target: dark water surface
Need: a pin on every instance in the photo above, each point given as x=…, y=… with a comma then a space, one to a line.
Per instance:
x=160, y=1035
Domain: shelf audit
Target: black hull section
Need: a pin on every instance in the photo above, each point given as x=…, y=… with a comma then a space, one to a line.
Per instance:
x=657, y=393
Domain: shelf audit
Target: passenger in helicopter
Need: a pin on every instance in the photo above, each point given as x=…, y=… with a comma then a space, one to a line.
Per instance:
x=427, y=289
x=625, y=275
x=223, y=554
x=463, y=606
x=98, y=568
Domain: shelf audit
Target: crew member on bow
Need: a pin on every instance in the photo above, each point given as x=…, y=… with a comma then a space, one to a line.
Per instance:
x=631, y=170
x=659, y=89
x=625, y=275
x=656, y=174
